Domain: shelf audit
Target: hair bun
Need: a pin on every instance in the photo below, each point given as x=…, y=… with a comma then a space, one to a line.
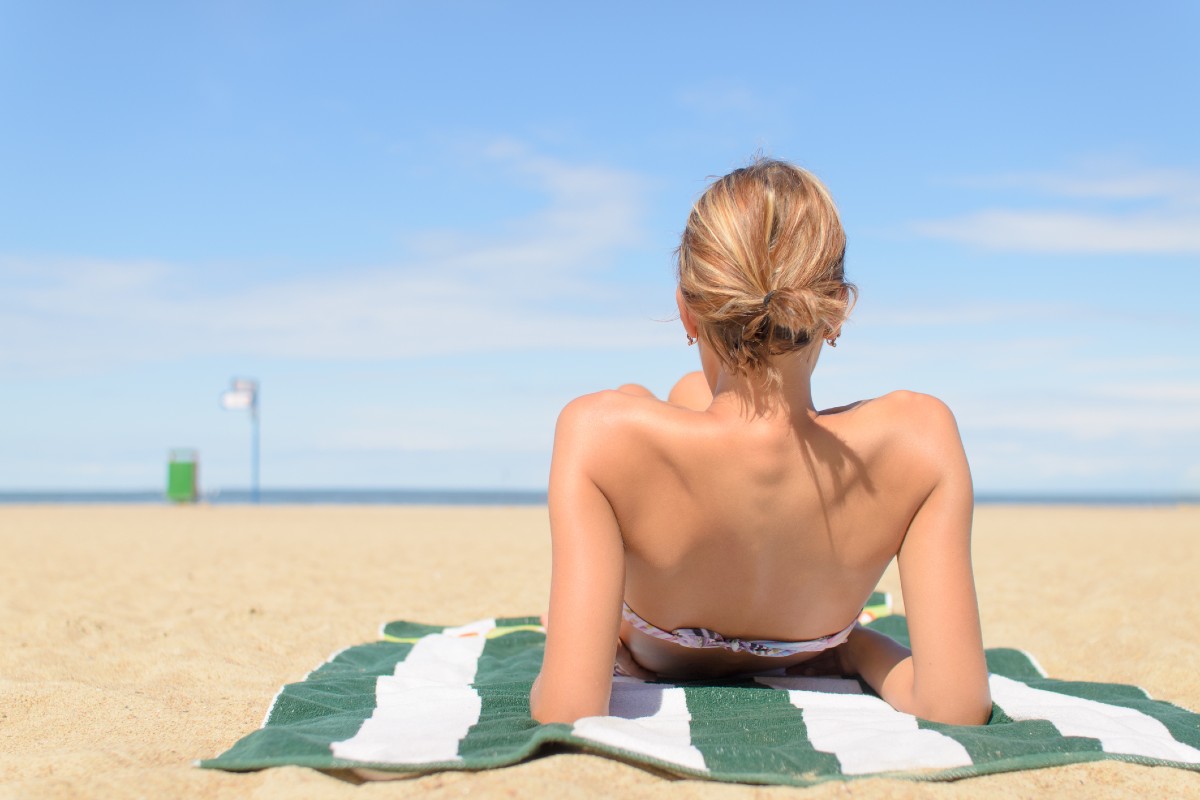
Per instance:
x=761, y=265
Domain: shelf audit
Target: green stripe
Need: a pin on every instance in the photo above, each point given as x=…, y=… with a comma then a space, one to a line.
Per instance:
x=877, y=599
x=750, y=732
x=894, y=626
x=507, y=666
x=410, y=630
x=329, y=706
x=1004, y=738
x=1010, y=663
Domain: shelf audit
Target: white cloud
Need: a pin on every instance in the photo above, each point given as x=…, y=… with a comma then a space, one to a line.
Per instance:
x=1176, y=392
x=429, y=433
x=1032, y=463
x=1136, y=365
x=959, y=315
x=536, y=285
x=1103, y=179
x=1166, y=221
x=1093, y=422
x=1071, y=232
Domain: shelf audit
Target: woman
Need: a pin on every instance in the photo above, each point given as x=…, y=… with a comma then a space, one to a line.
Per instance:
x=734, y=528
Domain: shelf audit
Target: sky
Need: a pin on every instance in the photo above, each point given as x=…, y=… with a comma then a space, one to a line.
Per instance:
x=425, y=227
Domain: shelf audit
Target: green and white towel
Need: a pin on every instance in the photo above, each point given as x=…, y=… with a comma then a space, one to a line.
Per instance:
x=431, y=698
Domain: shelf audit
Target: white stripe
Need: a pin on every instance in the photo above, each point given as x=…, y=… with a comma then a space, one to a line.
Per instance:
x=425, y=708
x=863, y=731
x=651, y=719
x=1119, y=729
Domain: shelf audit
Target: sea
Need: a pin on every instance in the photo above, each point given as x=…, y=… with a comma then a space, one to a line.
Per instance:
x=488, y=497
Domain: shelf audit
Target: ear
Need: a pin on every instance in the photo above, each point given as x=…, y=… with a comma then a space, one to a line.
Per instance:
x=685, y=315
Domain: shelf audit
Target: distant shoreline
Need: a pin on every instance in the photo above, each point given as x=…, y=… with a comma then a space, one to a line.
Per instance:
x=493, y=497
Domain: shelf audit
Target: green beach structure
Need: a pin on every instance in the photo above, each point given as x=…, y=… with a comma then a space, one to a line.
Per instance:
x=182, y=469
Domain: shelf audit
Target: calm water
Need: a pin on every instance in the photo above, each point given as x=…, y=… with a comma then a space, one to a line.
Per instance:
x=498, y=497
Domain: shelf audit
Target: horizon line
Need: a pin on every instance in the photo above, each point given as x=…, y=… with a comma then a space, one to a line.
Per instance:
x=495, y=495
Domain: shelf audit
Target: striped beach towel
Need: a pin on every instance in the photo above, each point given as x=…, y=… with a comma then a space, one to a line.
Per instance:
x=431, y=698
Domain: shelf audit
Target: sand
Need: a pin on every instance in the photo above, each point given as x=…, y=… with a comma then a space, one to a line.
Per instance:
x=138, y=639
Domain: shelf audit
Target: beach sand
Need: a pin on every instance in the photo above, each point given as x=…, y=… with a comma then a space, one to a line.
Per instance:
x=138, y=639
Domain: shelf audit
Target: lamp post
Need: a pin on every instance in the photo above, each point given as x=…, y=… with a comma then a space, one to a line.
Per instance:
x=243, y=394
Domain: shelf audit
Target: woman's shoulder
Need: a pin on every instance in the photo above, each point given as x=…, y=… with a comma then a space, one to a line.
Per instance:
x=909, y=405
x=611, y=433
x=900, y=402
x=612, y=412
x=921, y=423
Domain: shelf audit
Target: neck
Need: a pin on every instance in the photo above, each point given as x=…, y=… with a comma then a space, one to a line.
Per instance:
x=792, y=399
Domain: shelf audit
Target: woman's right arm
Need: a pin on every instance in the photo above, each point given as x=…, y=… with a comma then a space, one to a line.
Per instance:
x=588, y=568
x=944, y=677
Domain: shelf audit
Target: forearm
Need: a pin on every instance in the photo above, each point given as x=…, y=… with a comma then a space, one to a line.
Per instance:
x=885, y=664
x=888, y=668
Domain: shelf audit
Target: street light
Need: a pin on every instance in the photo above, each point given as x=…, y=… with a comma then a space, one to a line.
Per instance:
x=243, y=394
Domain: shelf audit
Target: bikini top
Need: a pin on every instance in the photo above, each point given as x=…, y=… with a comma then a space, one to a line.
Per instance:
x=702, y=638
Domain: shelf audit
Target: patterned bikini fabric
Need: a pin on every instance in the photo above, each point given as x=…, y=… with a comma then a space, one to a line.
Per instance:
x=704, y=638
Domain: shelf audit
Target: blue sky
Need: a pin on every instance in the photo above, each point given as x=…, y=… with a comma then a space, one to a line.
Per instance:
x=425, y=227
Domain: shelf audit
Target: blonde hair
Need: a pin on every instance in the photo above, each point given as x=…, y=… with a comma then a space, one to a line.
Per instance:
x=761, y=266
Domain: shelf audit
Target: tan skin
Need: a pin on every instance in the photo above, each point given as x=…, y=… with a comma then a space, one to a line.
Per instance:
x=760, y=517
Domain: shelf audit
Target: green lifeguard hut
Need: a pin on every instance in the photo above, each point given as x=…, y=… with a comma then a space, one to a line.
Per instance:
x=182, y=468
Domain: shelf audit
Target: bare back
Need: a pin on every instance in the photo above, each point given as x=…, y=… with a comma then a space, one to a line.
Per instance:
x=777, y=528
x=766, y=526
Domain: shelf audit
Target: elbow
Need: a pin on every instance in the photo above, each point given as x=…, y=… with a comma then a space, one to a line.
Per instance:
x=537, y=704
x=548, y=714
x=545, y=710
x=544, y=713
x=977, y=715
x=975, y=710
x=541, y=715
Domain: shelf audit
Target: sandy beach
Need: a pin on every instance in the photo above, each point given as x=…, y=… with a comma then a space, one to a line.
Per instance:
x=139, y=639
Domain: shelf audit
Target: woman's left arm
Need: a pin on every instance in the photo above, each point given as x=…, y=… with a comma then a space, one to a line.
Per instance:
x=588, y=570
x=944, y=677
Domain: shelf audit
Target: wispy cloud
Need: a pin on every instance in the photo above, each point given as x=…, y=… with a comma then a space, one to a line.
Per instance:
x=1036, y=463
x=1071, y=232
x=963, y=314
x=1172, y=392
x=1092, y=422
x=1165, y=221
x=1101, y=179
x=439, y=429
x=535, y=285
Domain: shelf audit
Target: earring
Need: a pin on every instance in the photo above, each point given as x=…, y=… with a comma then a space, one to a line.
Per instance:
x=691, y=341
x=832, y=340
